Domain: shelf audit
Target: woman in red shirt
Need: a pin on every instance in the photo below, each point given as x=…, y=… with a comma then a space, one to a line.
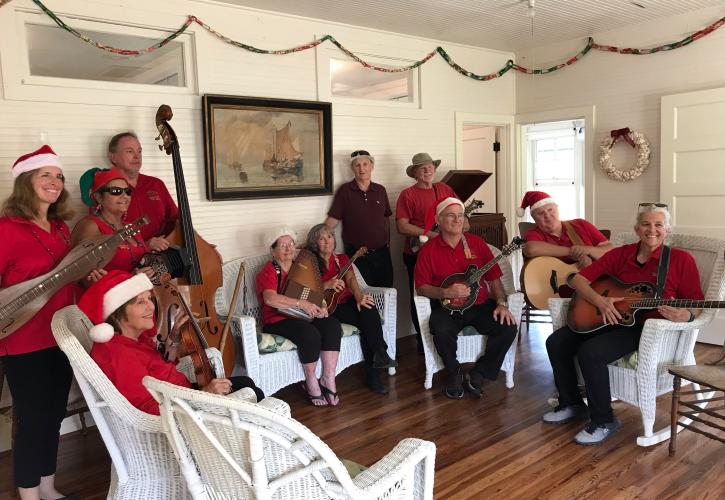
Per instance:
x=35, y=239
x=109, y=192
x=360, y=312
x=122, y=308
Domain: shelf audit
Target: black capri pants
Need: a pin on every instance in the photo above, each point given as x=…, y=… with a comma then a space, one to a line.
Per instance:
x=368, y=322
x=322, y=334
x=39, y=383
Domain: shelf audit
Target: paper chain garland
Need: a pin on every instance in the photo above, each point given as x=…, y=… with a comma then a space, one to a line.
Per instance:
x=510, y=64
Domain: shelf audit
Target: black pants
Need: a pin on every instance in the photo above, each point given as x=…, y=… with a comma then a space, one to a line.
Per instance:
x=322, y=334
x=594, y=351
x=39, y=383
x=368, y=322
x=445, y=327
x=410, y=259
x=375, y=267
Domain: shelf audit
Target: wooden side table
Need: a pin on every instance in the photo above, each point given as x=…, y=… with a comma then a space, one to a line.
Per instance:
x=711, y=380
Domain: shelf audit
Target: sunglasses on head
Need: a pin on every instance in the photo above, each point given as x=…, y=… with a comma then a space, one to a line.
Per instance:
x=359, y=152
x=116, y=191
x=650, y=204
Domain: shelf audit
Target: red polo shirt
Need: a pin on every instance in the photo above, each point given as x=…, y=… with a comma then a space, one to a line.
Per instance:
x=363, y=214
x=126, y=362
x=587, y=231
x=437, y=260
x=25, y=253
x=332, y=269
x=683, y=278
x=267, y=280
x=414, y=202
x=150, y=197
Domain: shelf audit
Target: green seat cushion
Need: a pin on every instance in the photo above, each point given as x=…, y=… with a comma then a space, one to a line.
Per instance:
x=353, y=468
x=627, y=361
x=468, y=330
x=268, y=342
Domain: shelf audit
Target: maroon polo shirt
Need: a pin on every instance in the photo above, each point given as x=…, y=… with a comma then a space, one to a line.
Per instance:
x=588, y=232
x=363, y=214
x=683, y=278
x=437, y=260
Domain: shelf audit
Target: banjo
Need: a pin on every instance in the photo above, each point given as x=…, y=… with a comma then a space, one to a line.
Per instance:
x=22, y=301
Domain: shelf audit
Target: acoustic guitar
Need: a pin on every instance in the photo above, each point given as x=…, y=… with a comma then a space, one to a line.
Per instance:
x=542, y=277
x=332, y=296
x=472, y=276
x=585, y=317
x=22, y=301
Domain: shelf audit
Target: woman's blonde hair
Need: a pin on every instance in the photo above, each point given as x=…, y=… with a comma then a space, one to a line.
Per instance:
x=23, y=202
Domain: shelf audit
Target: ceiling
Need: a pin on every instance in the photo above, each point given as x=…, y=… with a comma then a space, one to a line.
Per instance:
x=494, y=24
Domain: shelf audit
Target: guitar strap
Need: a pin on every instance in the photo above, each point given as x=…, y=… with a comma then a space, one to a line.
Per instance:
x=571, y=232
x=662, y=271
x=278, y=270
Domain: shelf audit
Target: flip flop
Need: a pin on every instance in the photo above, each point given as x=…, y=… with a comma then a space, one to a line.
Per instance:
x=329, y=395
x=312, y=398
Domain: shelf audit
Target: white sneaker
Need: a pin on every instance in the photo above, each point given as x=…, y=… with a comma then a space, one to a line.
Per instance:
x=597, y=433
x=564, y=414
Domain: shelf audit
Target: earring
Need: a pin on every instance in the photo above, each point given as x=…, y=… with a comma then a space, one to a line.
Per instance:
x=99, y=207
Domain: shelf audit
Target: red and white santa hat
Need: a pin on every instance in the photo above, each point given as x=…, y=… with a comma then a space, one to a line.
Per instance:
x=41, y=157
x=534, y=200
x=108, y=294
x=434, y=211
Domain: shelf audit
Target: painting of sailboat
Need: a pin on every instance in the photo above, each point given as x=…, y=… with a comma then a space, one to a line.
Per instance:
x=259, y=148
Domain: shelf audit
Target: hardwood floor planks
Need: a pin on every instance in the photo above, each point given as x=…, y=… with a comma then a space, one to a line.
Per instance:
x=495, y=447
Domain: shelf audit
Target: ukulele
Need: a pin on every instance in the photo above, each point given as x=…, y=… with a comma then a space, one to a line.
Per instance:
x=472, y=276
x=332, y=296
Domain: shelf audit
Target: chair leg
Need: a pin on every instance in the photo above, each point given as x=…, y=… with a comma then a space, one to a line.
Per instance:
x=673, y=414
x=428, y=380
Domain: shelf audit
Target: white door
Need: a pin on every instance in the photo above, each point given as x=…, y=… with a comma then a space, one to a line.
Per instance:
x=692, y=171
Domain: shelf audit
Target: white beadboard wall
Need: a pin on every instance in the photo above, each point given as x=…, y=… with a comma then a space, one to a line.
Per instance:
x=626, y=91
x=79, y=132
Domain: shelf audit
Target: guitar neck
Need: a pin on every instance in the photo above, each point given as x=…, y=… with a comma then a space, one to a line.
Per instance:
x=687, y=303
x=476, y=276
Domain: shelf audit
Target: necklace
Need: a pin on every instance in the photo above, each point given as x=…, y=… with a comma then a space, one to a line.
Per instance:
x=59, y=229
x=139, y=243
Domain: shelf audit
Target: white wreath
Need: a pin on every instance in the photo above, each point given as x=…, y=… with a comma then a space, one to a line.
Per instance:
x=642, y=150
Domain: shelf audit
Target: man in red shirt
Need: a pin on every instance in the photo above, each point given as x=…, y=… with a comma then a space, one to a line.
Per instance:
x=552, y=237
x=150, y=196
x=412, y=207
x=451, y=252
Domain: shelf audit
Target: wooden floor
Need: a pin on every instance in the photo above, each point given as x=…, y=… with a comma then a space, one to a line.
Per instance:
x=496, y=447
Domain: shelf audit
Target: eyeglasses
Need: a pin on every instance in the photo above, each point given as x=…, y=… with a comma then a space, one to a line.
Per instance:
x=650, y=204
x=116, y=191
x=453, y=217
x=285, y=246
x=359, y=152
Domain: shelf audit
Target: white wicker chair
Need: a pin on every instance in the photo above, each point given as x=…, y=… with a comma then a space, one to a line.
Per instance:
x=143, y=465
x=235, y=449
x=663, y=343
x=273, y=371
x=470, y=347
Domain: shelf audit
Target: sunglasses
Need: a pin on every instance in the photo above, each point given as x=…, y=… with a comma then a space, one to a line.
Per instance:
x=359, y=152
x=116, y=191
x=650, y=204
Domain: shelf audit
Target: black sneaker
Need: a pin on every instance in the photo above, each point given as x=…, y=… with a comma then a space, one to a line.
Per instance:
x=454, y=389
x=473, y=383
x=381, y=359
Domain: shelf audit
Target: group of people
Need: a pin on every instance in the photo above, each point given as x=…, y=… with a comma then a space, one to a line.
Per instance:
x=119, y=301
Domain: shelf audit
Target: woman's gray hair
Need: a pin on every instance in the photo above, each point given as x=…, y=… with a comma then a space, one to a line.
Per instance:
x=653, y=208
x=314, y=234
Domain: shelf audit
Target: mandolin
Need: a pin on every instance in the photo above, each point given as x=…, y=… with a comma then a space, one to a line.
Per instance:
x=332, y=296
x=22, y=301
x=472, y=276
x=585, y=317
x=542, y=278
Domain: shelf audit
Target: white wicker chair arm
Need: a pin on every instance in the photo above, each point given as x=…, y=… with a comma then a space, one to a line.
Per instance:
x=423, y=305
x=381, y=296
x=386, y=472
x=276, y=405
x=558, y=309
x=244, y=328
x=516, y=304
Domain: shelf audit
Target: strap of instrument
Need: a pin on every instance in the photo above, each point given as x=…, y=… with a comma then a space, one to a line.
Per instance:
x=466, y=249
x=662, y=271
x=337, y=262
x=278, y=270
x=571, y=232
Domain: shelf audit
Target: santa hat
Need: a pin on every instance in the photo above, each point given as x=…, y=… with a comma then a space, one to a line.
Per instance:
x=42, y=157
x=95, y=178
x=277, y=234
x=434, y=211
x=534, y=200
x=108, y=294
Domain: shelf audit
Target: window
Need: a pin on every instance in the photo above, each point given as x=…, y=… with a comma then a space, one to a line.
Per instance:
x=555, y=153
x=349, y=79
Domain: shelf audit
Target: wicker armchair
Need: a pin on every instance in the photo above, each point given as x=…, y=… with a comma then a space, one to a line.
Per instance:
x=143, y=465
x=275, y=370
x=663, y=343
x=470, y=347
x=237, y=449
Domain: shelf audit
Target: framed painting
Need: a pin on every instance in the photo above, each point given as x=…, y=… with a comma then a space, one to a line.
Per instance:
x=266, y=148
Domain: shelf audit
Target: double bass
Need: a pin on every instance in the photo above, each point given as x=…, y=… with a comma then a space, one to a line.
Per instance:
x=199, y=261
